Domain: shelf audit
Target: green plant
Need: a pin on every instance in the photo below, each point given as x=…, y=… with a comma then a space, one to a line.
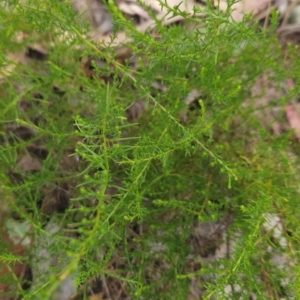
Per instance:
x=124, y=197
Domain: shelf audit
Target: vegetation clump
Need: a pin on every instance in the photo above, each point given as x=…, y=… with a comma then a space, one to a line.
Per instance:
x=163, y=168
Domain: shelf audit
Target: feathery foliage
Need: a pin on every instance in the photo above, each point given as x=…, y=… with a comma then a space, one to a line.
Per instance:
x=135, y=190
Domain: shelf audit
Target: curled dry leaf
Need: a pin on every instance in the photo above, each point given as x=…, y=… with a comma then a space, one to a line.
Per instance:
x=193, y=95
x=132, y=8
x=36, y=52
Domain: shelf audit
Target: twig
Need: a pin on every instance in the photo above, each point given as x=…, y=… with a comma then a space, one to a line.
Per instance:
x=106, y=287
x=287, y=14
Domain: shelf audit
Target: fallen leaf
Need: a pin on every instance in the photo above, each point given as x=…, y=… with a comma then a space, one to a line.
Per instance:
x=95, y=12
x=135, y=110
x=45, y=261
x=28, y=164
x=18, y=232
x=161, y=14
x=56, y=199
x=22, y=132
x=36, y=52
x=132, y=8
x=96, y=297
x=293, y=119
x=15, y=238
x=243, y=7
x=39, y=152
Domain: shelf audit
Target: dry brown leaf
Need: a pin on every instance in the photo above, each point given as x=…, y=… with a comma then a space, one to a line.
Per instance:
x=263, y=100
x=56, y=198
x=135, y=110
x=44, y=261
x=37, y=52
x=17, y=268
x=22, y=132
x=96, y=297
x=293, y=119
x=28, y=164
x=3, y=203
x=184, y=5
x=244, y=7
x=69, y=161
x=162, y=14
x=38, y=152
x=14, y=239
x=13, y=58
x=132, y=8
x=95, y=12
